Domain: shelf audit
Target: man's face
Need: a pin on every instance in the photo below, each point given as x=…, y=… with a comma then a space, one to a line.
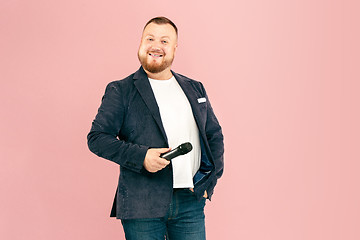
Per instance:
x=157, y=47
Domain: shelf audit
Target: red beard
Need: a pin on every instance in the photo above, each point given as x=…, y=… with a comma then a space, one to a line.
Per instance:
x=154, y=67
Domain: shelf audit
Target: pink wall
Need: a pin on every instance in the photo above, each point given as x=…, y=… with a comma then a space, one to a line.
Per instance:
x=283, y=80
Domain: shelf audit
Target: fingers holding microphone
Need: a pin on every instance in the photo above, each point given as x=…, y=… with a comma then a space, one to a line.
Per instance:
x=153, y=162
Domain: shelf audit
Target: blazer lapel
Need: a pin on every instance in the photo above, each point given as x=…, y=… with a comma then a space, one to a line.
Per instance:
x=192, y=96
x=143, y=86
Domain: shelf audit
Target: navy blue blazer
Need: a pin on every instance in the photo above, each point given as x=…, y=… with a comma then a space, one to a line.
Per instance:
x=128, y=122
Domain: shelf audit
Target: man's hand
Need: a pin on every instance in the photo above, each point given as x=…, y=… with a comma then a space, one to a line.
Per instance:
x=205, y=193
x=153, y=162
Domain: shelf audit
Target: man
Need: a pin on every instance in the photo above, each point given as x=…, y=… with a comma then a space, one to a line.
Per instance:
x=145, y=115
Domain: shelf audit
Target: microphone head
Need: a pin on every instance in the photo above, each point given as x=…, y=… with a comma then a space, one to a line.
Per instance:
x=185, y=148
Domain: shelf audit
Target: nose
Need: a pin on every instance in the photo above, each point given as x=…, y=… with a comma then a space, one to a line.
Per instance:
x=155, y=49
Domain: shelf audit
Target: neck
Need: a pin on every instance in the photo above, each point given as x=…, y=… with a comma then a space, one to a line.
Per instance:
x=164, y=75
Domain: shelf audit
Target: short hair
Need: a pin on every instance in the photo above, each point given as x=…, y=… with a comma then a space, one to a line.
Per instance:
x=162, y=20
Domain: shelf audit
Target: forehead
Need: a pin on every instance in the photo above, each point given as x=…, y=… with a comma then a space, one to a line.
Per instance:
x=160, y=30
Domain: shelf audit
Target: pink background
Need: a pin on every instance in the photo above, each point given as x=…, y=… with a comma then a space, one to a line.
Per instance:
x=283, y=78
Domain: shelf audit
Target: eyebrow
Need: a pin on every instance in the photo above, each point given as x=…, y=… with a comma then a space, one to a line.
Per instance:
x=150, y=35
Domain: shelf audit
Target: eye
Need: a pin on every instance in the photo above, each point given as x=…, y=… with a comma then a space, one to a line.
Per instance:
x=150, y=39
x=164, y=41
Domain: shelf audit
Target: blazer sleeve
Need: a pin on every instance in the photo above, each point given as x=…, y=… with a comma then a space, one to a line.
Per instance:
x=103, y=137
x=215, y=137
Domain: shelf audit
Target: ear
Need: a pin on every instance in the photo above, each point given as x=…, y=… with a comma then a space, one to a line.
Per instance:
x=175, y=48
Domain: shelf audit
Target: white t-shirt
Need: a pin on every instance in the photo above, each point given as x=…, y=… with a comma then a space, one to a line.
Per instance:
x=180, y=127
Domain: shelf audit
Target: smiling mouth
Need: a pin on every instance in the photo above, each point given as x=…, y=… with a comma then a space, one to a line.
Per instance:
x=155, y=55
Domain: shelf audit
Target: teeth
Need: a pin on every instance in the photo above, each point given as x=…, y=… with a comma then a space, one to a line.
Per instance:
x=155, y=55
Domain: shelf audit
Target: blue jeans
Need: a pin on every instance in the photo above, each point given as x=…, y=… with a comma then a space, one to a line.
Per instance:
x=185, y=220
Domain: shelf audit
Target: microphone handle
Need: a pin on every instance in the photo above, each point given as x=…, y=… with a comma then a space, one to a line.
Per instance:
x=172, y=154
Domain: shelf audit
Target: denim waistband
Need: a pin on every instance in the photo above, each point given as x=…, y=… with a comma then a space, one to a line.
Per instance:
x=180, y=189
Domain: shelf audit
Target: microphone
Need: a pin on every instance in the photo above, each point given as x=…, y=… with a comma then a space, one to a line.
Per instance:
x=180, y=150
